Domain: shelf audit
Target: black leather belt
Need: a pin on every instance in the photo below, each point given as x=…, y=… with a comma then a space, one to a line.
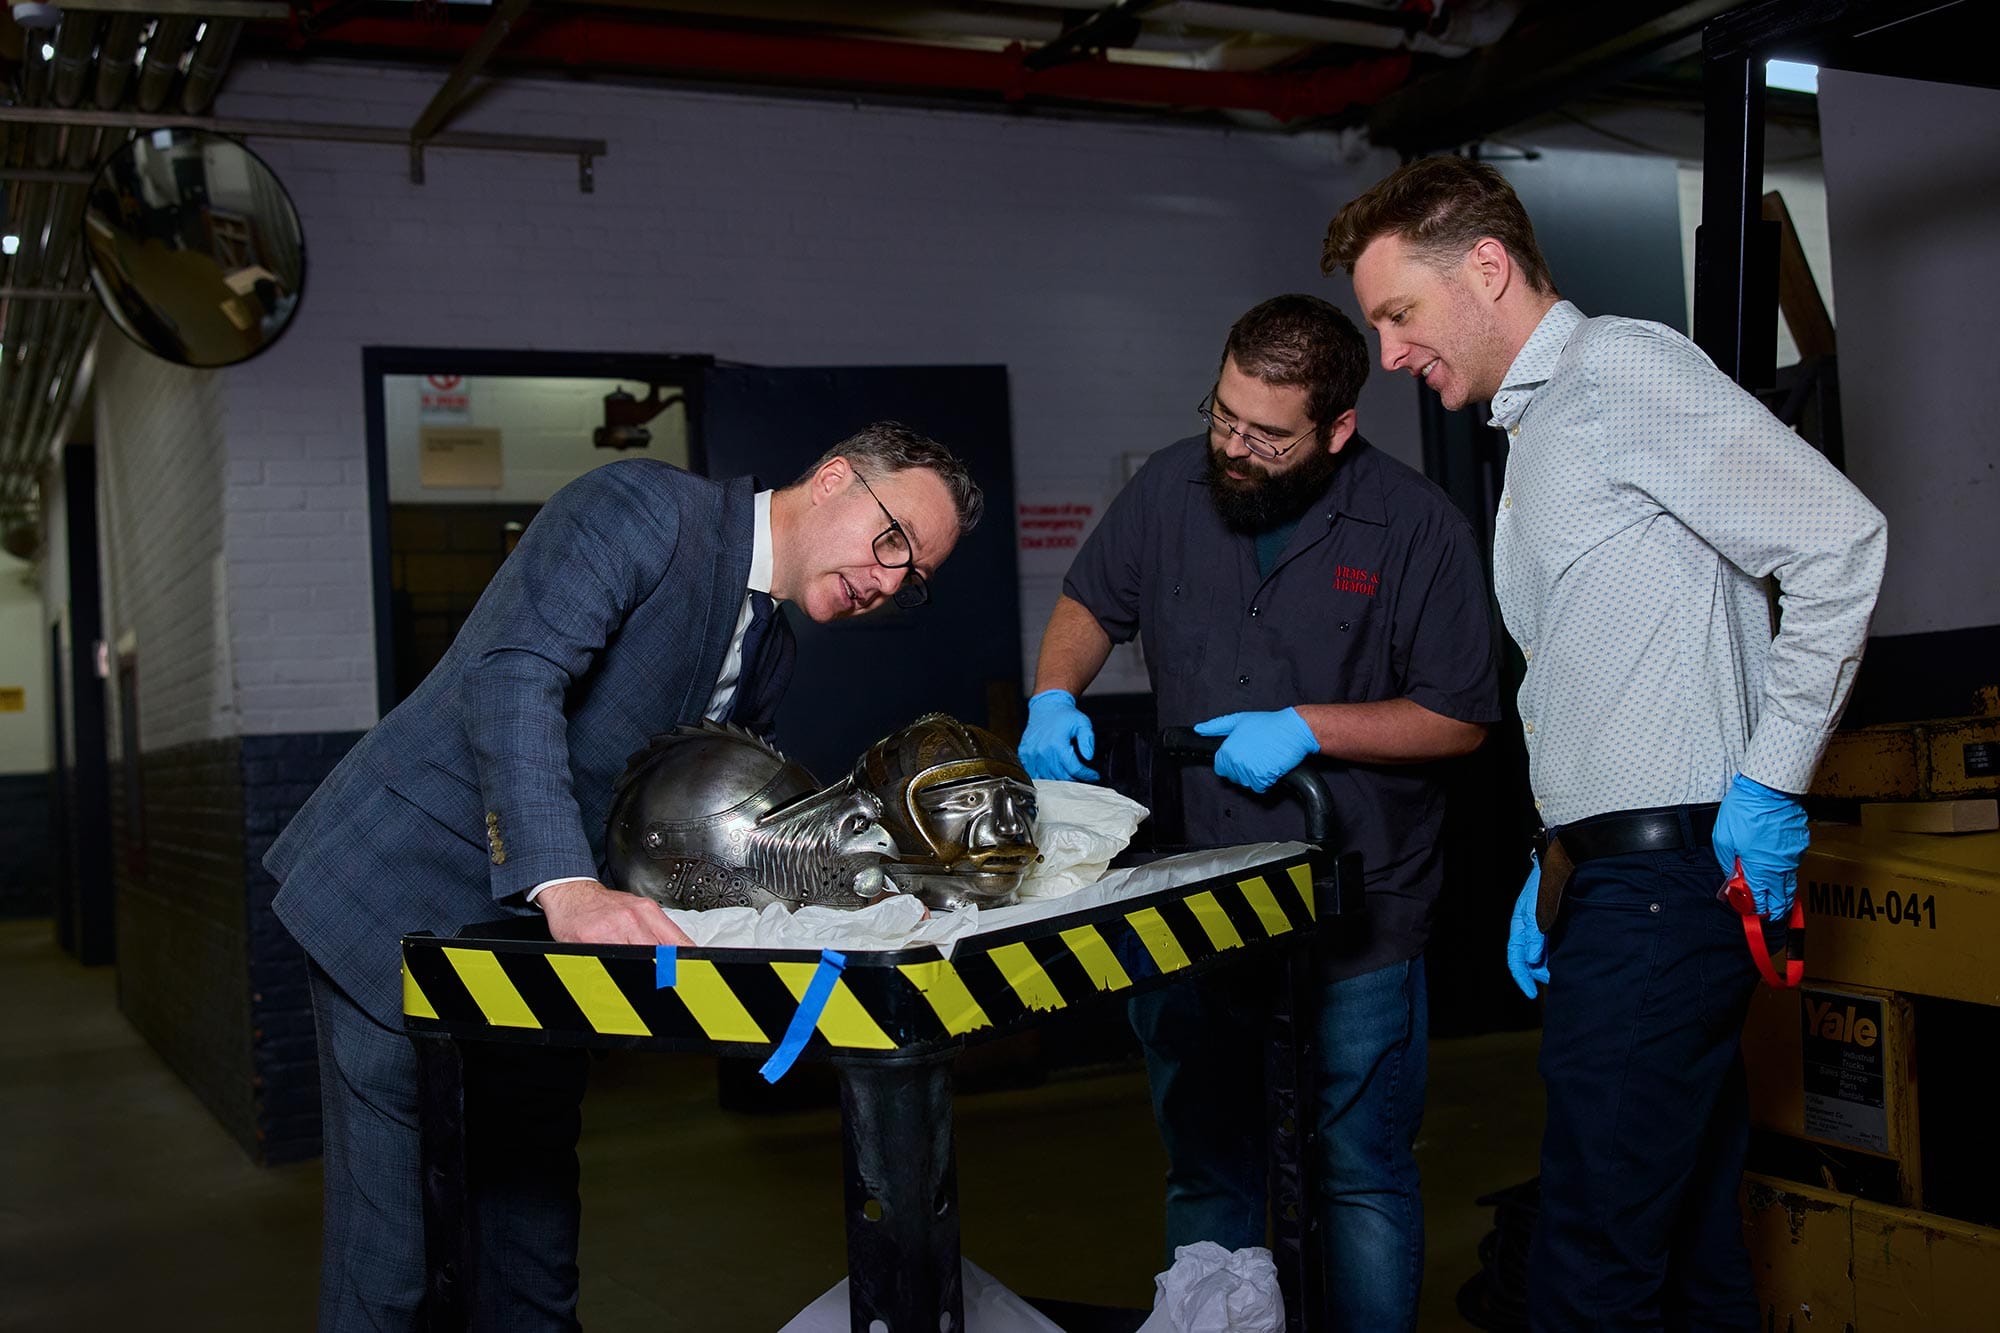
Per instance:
x=1622, y=832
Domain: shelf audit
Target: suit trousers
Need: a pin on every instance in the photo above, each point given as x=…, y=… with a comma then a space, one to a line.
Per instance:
x=523, y=1113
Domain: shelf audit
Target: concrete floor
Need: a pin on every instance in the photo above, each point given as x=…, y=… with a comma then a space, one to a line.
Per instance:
x=123, y=1203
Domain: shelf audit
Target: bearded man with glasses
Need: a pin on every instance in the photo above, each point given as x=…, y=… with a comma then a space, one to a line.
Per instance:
x=1315, y=602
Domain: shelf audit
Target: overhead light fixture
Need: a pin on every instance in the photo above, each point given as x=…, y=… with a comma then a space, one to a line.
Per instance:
x=32, y=14
x=9, y=244
x=200, y=31
x=1793, y=76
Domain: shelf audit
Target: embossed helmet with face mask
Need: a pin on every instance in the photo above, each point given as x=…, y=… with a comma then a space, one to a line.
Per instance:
x=960, y=808
x=710, y=816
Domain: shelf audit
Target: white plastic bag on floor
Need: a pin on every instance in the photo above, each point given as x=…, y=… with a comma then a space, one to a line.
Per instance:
x=1079, y=828
x=989, y=1308
x=1213, y=1290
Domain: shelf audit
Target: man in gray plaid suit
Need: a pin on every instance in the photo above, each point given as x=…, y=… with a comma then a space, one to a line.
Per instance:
x=640, y=598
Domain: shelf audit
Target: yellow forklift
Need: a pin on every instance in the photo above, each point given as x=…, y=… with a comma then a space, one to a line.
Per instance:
x=1873, y=1198
x=1872, y=1201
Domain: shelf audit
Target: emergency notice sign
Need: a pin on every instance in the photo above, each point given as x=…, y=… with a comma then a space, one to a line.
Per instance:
x=1845, y=1069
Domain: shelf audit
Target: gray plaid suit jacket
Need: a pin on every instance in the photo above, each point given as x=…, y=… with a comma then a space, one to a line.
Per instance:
x=607, y=624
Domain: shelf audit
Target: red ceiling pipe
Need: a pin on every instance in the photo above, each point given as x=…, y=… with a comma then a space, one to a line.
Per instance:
x=598, y=42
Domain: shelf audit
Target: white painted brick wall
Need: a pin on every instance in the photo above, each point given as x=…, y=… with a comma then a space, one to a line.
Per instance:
x=1100, y=262
x=160, y=461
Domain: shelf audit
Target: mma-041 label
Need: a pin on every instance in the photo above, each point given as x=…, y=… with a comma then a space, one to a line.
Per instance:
x=1858, y=902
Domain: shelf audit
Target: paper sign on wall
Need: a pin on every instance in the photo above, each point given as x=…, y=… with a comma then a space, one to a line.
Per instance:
x=459, y=456
x=444, y=398
x=13, y=699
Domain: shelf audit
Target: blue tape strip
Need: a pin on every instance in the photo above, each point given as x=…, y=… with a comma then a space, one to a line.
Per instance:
x=666, y=960
x=806, y=1017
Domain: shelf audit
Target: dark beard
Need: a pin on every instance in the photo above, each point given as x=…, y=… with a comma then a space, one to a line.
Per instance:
x=1274, y=499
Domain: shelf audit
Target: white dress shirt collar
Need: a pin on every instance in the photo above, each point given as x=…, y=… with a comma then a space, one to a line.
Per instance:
x=760, y=544
x=1534, y=363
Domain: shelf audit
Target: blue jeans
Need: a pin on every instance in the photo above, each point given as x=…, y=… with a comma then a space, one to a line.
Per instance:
x=1648, y=1119
x=1204, y=1043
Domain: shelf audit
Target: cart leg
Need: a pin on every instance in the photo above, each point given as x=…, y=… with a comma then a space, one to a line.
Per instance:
x=441, y=1156
x=1290, y=1058
x=901, y=1196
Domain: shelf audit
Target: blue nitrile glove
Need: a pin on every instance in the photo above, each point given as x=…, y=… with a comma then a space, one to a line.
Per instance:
x=1262, y=747
x=1766, y=831
x=1527, y=947
x=1053, y=722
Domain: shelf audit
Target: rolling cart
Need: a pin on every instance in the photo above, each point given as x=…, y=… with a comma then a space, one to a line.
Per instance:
x=892, y=1024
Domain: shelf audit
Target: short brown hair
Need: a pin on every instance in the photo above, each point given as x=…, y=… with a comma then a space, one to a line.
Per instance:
x=890, y=446
x=1302, y=342
x=1442, y=206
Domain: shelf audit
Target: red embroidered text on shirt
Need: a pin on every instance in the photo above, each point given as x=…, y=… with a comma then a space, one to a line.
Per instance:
x=1346, y=578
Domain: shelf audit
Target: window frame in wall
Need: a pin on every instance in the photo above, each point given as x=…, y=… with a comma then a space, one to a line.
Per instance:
x=679, y=373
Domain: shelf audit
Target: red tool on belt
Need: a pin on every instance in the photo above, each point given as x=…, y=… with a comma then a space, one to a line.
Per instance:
x=1736, y=892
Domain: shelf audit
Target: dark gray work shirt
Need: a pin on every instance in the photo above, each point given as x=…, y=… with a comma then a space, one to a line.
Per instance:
x=1378, y=595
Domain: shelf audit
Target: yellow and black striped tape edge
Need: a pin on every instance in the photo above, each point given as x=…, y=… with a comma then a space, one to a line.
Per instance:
x=727, y=999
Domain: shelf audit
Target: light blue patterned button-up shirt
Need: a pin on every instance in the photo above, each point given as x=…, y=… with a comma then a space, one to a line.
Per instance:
x=1650, y=506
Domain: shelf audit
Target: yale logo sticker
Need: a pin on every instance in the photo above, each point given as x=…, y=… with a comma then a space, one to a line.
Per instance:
x=1845, y=1025
x=1844, y=1074
x=1860, y=903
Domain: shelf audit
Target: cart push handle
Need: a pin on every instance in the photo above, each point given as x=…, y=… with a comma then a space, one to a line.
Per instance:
x=1305, y=784
x=1336, y=873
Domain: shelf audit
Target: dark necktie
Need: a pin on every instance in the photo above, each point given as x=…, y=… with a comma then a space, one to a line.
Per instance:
x=762, y=608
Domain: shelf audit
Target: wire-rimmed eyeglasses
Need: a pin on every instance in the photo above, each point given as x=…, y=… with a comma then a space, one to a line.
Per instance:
x=893, y=551
x=1219, y=424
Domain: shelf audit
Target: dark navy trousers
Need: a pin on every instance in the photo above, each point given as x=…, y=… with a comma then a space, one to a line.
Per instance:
x=523, y=1114
x=1648, y=1119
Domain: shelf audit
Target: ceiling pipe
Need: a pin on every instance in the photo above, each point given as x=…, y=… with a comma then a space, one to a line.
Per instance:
x=43, y=139
x=76, y=47
x=75, y=41
x=114, y=58
x=582, y=41
x=209, y=63
x=163, y=59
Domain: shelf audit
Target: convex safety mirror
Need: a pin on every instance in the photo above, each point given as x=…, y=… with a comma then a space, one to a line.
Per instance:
x=194, y=247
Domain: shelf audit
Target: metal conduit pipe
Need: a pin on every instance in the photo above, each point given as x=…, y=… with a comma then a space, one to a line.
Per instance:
x=27, y=378
x=79, y=320
x=35, y=422
x=114, y=58
x=590, y=41
x=82, y=146
x=26, y=353
x=44, y=322
x=30, y=205
x=10, y=333
x=210, y=62
x=163, y=59
x=42, y=140
x=75, y=40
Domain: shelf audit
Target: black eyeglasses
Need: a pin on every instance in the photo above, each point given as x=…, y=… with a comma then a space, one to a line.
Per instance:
x=1219, y=424
x=893, y=551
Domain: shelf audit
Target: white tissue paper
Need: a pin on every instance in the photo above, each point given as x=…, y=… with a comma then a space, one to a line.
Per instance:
x=1079, y=828
x=896, y=922
x=899, y=921
x=989, y=1308
x=1213, y=1290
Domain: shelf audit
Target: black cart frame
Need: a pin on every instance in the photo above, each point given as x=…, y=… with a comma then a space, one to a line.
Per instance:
x=895, y=1024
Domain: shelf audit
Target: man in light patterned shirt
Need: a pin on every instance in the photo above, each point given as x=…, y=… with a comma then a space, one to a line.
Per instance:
x=1650, y=508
